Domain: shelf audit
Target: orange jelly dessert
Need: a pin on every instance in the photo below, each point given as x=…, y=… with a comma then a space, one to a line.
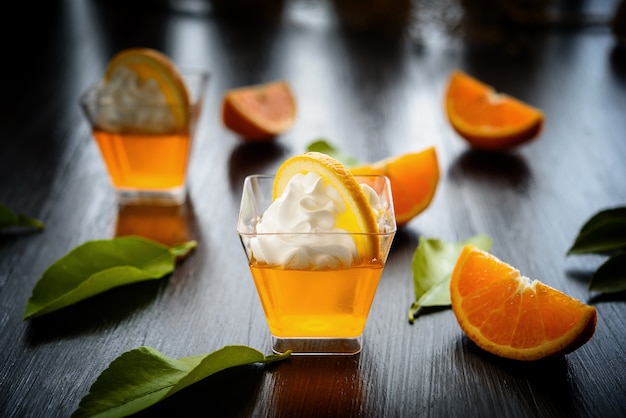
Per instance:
x=317, y=239
x=316, y=303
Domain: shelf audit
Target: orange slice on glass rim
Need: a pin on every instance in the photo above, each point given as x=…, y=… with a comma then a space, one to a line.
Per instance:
x=487, y=119
x=358, y=217
x=511, y=316
x=149, y=64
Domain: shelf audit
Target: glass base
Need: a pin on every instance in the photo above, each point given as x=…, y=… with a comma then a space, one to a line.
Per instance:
x=318, y=346
x=169, y=197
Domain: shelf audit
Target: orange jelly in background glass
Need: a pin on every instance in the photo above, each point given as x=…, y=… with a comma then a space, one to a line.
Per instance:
x=144, y=161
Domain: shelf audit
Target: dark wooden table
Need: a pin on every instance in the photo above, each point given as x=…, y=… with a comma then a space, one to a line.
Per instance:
x=372, y=84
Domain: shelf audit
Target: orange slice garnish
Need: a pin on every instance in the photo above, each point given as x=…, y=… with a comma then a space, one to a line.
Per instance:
x=358, y=217
x=511, y=316
x=259, y=112
x=486, y=119
x=414, y=177
x=149, y=64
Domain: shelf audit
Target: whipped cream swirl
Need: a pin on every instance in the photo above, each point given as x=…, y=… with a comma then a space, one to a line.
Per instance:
x=298, y=231
x=126, y=103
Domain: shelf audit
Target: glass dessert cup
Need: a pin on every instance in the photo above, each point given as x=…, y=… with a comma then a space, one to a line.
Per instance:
x=316, y=310
x=147, y=161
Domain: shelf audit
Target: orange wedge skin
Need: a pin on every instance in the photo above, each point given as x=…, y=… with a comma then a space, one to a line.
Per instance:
x=151, y=64
x=414, y=178
x=508, y=316
x=259, y=112
x=488, y=120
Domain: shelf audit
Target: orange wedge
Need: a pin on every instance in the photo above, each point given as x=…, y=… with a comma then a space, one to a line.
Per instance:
x=150, y=64
x=259, y=112
x=511, y=316
x=358, y=217
x=486, y=119
x=414, y=177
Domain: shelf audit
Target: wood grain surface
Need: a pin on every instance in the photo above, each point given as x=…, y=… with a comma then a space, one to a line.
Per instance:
x=370, y=81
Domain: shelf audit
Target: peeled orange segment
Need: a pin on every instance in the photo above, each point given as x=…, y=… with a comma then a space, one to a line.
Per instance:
x=414, y=178
x=259, y=112
x=358, y=218
x=486, y=119
x=149, y=64
x=510, y=316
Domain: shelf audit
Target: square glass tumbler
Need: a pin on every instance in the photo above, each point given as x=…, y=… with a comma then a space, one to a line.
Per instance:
x=146, y=147
x=316, y=310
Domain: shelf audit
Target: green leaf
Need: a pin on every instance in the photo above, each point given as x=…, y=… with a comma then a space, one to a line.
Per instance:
x=610, y=277
x=97, y=266
x=603, y=232
x=142, y=377
x=323, y=146
x=433, y=262
x=9, y=219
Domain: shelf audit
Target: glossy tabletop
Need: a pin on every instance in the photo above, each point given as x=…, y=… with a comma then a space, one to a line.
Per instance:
x=369, y=78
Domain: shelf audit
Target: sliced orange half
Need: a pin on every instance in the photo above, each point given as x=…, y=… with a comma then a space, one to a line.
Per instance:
x=511, y=316
x=358, y=217
x=259, y=112
x=487, y=119
x=414, y=177
x=150, y=64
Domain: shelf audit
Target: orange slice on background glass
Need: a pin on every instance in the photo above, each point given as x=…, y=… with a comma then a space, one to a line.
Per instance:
x=259, y=112
x=149, y=64
x=358, y=217
x=414, y=177
x=511, y=316
x=486, y=119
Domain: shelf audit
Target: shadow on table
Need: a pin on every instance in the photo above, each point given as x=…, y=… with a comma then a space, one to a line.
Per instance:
x=300, y=387
x=93, y=315
x=252, y=158
x=607, y=297
x=405, y=241
x=542, y=385
x=230, y=393
x=617, y=60
x=583, y=276
x=499, y=168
